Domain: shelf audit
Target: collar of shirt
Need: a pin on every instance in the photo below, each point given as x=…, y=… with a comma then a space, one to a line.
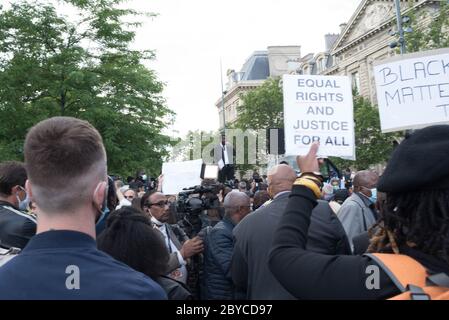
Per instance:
x=365, y=199
x=280, y=194
x=6, y=203
x=60, y=239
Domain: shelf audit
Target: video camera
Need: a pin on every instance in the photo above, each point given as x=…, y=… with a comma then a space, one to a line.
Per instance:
x=193, y=205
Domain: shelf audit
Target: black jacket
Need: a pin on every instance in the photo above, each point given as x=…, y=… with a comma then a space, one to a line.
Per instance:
x=361, y=243
x=253, y=239
x=175, y=290
x=16, y=227
x=309, y=275
x=217, y=281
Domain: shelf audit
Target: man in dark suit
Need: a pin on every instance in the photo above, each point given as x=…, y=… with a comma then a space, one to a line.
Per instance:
x=254, y=234
x=158, y=207
x=224, y=158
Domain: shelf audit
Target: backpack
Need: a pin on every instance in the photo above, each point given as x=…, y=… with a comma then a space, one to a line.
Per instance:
x=412, y=278
x=7, y=254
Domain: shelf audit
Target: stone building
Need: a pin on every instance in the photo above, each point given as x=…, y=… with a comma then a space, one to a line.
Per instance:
x=365, y=38
x=275, y=61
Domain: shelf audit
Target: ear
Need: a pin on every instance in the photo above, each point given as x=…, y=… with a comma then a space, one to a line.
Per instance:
x=14, y=190
x=100, y=193
x=29, y=190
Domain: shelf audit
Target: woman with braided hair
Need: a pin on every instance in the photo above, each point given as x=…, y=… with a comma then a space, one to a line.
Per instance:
x=412, y=243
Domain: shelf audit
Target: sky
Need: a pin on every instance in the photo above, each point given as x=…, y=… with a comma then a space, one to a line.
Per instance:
x=190, y=38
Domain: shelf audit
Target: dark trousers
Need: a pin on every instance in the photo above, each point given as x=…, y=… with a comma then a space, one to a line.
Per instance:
x=226, y=174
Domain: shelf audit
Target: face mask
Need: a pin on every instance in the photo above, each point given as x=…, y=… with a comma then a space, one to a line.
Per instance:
x=144, y=177
x=102, y=215
x=23, y=204
x=102, y=211
x=373, y=197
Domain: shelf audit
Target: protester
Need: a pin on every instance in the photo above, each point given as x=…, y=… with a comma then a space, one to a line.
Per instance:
x=130, y=238
x=414, y=238
x=218, y=249
x=224, y=158
x=338, y=199
x=260, y=198
x=156, y=206
x=16, y=226
x=254, y=235
x=357, y=214
x=66, y=165
x=328, y=192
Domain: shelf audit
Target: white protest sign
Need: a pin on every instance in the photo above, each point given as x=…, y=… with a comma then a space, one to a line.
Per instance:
x=179, y=175
x=318, y=108
x=413, y=90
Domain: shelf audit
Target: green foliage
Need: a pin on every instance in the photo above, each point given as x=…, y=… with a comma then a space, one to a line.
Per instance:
x=432, y=36
x=262, y=107
x=372, y=146
x=81, y=66
x=192, y=146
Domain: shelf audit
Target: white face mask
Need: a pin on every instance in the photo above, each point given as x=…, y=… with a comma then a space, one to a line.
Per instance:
x=23, y=204
x=102, y=210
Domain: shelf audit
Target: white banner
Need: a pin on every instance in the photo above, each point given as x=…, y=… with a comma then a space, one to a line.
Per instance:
x=413, y=90
x=179, y=175
x=318, y=108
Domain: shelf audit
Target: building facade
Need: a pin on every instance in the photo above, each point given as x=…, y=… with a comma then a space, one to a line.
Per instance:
x=364, y=39
x=273, y=62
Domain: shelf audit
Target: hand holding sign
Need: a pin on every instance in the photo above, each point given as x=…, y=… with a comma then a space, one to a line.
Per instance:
x=309, y=162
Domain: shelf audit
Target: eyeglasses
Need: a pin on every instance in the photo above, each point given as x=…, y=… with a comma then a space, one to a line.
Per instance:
x=129, y=197
x=159, y=204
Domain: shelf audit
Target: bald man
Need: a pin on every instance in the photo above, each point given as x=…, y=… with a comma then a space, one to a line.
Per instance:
x=357, y=214
x=254, y=234
x=217, y=281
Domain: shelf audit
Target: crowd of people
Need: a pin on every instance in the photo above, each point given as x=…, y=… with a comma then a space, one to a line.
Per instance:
x=288, y=236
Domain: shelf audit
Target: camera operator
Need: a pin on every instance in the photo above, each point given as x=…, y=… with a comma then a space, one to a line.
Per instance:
x=157, y=207
x=198, y=209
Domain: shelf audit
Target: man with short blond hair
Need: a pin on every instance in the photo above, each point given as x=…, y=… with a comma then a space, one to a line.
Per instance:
x=66, y=163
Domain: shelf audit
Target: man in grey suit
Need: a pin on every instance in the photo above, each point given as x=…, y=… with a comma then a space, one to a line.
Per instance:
x=224, y=157
x=158, y=209
x=254, y=235
x=357, y=214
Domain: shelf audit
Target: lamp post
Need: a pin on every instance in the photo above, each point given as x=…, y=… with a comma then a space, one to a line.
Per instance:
x=397, y=4
x=222, y=97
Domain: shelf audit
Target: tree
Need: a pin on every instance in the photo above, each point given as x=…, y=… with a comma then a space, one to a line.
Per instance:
x=372, y=146
x=262, y=107
x=81, y=66
x=429, y=30
x=193, y=144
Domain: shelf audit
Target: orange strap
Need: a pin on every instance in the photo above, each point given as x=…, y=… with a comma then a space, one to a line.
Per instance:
x=402, y=269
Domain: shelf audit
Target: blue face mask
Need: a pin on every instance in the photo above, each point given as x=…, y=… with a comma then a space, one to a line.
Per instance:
x=23, y=204
x=373, y=197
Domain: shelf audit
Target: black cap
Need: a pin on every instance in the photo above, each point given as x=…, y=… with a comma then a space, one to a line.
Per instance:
x=420, y=162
